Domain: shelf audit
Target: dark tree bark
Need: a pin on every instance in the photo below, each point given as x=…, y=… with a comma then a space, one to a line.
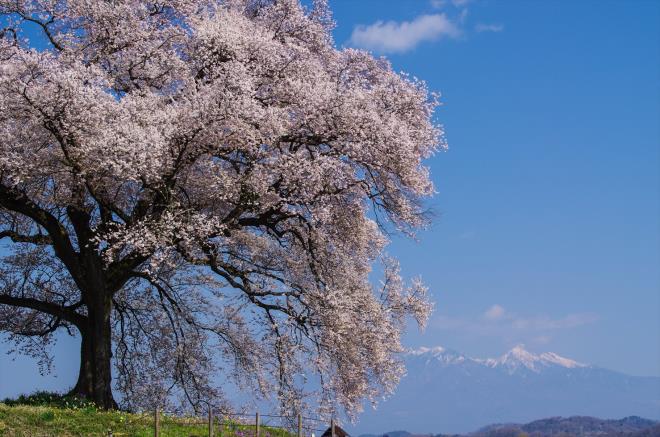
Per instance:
x=96, y=282
x=95, y=373
x=95, y=379
x=85, y=386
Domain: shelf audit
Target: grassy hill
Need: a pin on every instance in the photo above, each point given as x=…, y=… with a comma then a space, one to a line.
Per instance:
x=26, y=420
x=75, y=419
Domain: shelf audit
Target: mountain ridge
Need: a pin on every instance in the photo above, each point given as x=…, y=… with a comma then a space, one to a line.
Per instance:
x=446, y=390
x=514, y=358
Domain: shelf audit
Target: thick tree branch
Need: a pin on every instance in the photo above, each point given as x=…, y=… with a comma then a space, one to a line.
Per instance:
x=64, y=312
x=18, y=202
x=20, y=238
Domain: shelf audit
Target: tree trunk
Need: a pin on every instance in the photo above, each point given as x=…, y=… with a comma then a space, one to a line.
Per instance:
x=95, y=377
x=84, y=385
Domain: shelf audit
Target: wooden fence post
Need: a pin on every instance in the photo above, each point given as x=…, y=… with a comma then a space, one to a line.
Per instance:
x=256, y=426
x=300, y=432
x=332, y=427
x=210, y=421
x=156, y=423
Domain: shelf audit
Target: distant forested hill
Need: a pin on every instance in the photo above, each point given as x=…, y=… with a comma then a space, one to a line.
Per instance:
x=576, y=426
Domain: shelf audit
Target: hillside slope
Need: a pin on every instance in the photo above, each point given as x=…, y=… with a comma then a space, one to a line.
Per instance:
x=42, y=421
x=39, y=421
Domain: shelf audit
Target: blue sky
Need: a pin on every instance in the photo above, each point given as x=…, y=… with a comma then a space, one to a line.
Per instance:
x=547, y=228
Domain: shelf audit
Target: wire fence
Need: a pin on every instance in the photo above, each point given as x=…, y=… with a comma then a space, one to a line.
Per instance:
x=164, y=424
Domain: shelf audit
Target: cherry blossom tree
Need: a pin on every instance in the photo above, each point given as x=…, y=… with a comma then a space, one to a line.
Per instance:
x=200, y=188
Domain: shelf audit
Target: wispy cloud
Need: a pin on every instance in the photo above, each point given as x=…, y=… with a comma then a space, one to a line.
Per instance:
x=497, y=321
x=439, y=4
x=544, y=323
x=488, y=27
x=399, y=37
x=495, y=312
x=542, y=339
x=467, y=235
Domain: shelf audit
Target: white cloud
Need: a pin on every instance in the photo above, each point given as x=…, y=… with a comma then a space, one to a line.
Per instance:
x=489, y=27
x=495, y=312
x=399, y=37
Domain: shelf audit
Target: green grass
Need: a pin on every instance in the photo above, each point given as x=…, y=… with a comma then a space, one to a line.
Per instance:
x=19, y=420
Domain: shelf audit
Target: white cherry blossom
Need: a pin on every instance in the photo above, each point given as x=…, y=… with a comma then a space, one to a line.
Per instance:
x=202, y=188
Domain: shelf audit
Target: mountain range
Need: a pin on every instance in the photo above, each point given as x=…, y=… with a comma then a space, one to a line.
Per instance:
x=576, y=426
x=445, y=391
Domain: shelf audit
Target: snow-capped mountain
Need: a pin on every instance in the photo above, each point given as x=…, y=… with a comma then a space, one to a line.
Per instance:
x=518, y=358
x=447, y=391
x=439, y=354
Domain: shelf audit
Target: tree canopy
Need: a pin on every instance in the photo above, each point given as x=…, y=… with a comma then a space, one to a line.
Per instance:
x=203, y=187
